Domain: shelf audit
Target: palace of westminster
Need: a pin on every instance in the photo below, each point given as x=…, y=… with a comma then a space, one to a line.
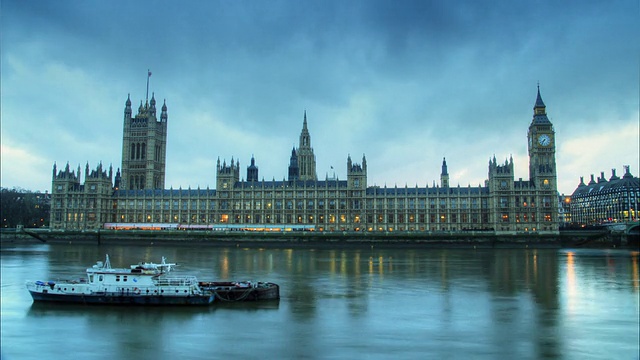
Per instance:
x=135, y=196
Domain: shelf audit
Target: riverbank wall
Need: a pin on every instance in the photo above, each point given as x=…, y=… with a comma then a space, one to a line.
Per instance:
x=565, y=239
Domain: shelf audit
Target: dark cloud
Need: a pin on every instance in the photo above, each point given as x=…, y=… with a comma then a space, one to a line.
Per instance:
x=374, y=76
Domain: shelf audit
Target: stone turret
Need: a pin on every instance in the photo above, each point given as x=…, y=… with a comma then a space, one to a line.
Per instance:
x=356, y=174
x=227, y=175
x=294, y=170
x=252, y=171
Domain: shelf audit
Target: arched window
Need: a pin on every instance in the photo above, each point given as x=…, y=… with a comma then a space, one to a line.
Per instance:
x=143, y=151
x=133, y=151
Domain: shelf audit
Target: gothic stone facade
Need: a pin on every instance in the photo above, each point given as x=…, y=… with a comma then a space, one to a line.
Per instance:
x=136, y=197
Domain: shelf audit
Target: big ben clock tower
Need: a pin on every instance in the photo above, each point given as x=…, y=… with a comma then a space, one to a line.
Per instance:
x=542, y=168
x=542, y=148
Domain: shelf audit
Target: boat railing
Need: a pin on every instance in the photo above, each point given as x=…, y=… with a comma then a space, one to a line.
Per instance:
x=176, y=281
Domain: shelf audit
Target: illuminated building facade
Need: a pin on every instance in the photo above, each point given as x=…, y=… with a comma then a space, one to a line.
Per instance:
x=605, y=201
x=136, y=198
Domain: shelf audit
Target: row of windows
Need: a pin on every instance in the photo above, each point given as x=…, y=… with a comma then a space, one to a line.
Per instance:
x=138, y=151
x=76, y=202
x=602, y=201
x=289, y=194
x=524, y=217
x=307, y=218
x=524, y=201
x=297, y=204
x=603, y=205
x=392, y=204
x=390, y=217
x=139, y=181
x=596, y=216
x=139, y=121
x=615, y=192
x=59, y=216
x=329, y=222
x=380, y=202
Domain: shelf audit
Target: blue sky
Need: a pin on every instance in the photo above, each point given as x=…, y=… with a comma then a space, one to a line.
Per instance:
x=404, y=82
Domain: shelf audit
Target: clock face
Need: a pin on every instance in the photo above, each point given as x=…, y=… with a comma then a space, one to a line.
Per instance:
x=544, y=140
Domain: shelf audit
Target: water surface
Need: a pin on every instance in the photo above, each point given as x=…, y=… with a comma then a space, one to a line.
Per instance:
x=339, y=304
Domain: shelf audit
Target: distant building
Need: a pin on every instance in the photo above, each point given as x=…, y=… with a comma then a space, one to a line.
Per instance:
x=564, y=210
x=605, y=201
x=136, y=197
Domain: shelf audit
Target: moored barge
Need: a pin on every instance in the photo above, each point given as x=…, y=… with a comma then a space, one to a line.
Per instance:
x=242, y=290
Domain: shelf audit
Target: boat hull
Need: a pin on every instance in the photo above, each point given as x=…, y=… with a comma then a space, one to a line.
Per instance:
x=118, y=299
x=231, y=292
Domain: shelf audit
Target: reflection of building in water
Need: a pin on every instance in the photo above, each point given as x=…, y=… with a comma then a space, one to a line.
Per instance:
x=605, y=201
x=571, y=286
x=636, y=271
x=524, y=285
x=136, y=198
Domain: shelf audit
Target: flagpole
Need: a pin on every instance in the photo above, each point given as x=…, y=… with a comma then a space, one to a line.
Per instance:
x=148, y=76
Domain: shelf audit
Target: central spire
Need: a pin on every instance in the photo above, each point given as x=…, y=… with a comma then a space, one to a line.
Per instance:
x=305, y=137
x=306, y=158
x=304, y=124
x=539, y=102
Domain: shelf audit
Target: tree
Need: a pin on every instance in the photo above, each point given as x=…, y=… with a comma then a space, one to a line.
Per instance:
x=23, y=207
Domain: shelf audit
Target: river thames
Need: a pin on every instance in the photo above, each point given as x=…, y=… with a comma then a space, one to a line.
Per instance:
x=339, y=304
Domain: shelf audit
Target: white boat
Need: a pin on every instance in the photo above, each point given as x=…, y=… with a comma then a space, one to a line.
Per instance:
x=141, y=284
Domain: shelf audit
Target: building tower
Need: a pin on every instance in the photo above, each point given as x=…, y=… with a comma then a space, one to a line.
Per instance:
x=294, y=170
x=63, y=186
x=94, y=194
x=306, y=158
x=227, y=175
x=444, y=176
x=252, y=171
x=356, y=174
x=501, y=176
x=144, y=147
x=542, y=148
x=501, y=188
x=542, y=167
x=356, y=188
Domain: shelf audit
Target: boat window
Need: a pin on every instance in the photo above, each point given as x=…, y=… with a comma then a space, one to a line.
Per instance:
x=117, y=277
x=124, y=278
x=91, y=278
x=100, y=278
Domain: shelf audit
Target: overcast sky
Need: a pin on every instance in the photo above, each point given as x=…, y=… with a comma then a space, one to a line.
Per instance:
x=404, y=82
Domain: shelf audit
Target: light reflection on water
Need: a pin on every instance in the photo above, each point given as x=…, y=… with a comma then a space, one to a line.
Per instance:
x=347, y=303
